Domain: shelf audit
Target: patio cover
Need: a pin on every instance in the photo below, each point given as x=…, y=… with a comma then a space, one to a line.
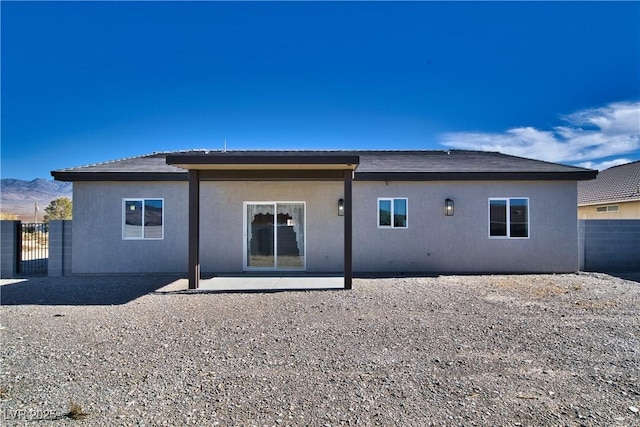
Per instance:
x=265, y=166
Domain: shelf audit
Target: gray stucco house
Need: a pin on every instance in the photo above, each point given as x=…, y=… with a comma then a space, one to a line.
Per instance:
x=324, y=212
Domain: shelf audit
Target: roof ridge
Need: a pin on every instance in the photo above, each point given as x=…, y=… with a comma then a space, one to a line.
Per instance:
x=623, y=164
x=316, y=150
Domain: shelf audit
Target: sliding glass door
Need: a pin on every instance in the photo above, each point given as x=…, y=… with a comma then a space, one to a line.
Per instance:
x=260, y=233
x=275, y=235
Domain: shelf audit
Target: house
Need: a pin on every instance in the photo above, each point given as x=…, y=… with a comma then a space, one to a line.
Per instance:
x=324, y=212
x=614, y=194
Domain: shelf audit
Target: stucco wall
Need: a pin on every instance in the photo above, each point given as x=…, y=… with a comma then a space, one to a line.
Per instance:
x=434, y=242
x=97, y=244
x=431, y=243
x=221, y=221
x=626, y=210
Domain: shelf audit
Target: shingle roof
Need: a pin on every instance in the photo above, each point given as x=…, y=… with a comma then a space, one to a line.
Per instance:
x=453, y=161
x=150, y=163
x=374, y=165
x=616, y=184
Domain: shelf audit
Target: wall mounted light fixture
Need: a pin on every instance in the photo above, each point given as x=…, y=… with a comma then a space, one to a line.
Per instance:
x=448, y=207
x=341, y=207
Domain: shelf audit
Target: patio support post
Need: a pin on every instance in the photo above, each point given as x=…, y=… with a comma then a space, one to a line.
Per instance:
x=194, y=229
x=348, y=235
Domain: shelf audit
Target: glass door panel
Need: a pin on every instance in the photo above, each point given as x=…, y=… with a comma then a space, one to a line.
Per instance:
x=290, y=236
x=260, y=236
x=275, y=236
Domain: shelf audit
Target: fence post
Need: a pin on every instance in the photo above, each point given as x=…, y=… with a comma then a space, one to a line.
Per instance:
x=9, y=248
x=66, y=246
x=59, y=248
x=56, y=242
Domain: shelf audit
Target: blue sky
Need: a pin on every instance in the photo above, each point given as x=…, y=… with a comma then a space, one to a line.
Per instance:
x=85, y=82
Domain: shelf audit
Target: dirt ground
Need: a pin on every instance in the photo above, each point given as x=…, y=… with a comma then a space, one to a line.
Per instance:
x=503, y=350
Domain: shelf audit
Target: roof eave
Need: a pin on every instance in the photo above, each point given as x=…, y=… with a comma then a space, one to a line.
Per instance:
x=70, y=176
x=610, y=201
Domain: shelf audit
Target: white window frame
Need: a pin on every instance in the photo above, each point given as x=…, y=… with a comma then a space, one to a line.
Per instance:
x=607, y=209
x=245, y=266
x=508, y=219
x=124, y=217
x=392, y=200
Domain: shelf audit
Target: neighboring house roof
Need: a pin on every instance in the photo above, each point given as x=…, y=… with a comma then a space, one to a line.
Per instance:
x=374, y=165
x=613, y=185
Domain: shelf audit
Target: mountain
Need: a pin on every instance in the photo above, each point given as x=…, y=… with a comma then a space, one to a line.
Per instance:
x=18, y=197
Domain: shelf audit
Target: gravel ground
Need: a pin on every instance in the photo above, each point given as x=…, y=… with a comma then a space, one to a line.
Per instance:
x=448, y=350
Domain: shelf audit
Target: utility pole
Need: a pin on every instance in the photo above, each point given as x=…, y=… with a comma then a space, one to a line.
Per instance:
x=35, y=214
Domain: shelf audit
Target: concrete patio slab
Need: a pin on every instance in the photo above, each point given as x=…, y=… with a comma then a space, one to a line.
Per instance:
x=281, y=283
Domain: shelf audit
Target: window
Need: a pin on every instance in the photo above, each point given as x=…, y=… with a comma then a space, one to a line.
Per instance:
x=509, y=218
x=392, y=213
x=611, y=208
x=143, y=219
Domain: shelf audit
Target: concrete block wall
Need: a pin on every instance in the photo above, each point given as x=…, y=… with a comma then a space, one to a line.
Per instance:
x=59, y=248
x=9, y=235
x=610, y=245
x=581, y=237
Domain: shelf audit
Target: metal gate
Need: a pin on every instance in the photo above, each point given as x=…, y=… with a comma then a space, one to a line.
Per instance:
x=33, y=248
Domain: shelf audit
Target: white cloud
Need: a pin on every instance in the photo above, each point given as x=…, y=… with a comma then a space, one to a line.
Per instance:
x=589, y=137
x=604, y=165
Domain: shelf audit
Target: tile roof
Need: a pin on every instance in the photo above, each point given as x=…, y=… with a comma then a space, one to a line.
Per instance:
x=616, y=184
x=374, y=165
